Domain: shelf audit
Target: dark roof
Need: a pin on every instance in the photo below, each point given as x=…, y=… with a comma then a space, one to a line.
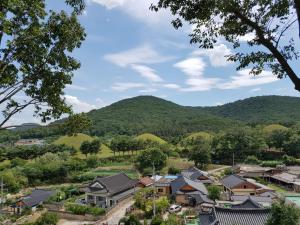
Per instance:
x=181, y=181
x=37, y=197
x=232, y=181
x=200, y=197
x=112, y=184
x=164, y=181
x=248, y=203
x=260, y=198
x=229, y=216
x=194, y=173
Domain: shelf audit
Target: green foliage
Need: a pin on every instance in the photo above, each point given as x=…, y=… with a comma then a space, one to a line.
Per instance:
x=84, y=209
x=173, y=220
x=282, y=214
x=292, y=145
x=76, y=123
x=200, y=153
x=131, y=220
x=92, y=147
x=14, y=180
x=73, y=141
x=157, y=220
x=36, y=44
x=214, y=192
x=150, y=157
x=47, y=219
x=252, y=159
x=173, y=171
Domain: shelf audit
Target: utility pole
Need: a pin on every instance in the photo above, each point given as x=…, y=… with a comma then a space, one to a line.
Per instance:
x=154, y=191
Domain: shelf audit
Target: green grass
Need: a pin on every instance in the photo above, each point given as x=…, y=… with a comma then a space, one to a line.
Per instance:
x=104, y=173
x=205, y=135
x=73, y=141
x=278, y=188
x=151, y=137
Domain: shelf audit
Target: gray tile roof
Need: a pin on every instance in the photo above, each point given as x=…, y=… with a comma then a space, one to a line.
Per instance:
x=112, y=184
x=228, y=216
x=248, y=203
x=181, y=181
x=193, y=174
x=241, y=198
x=37, y=197
x=231, y=181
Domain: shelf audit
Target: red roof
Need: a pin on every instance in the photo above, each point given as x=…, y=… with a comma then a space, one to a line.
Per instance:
x=146, y=181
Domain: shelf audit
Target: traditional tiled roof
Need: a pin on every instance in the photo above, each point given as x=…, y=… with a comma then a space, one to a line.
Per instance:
x=194, y=173
x=181, y=181
x=199, y=197
x=229, y=216
x=112, y=184
x=248, y=203
x=37, y=197
x=285, y=177
x=242, y=198
x=232, y=181
x=165, y=181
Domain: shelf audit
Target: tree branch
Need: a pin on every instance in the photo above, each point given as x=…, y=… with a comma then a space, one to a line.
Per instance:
x=268, y=44
x=297, y=6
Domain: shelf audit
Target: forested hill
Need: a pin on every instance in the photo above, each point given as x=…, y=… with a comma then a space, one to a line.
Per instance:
x=147, y=114
x=261, y=109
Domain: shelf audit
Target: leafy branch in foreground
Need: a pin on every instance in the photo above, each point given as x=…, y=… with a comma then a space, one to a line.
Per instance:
x=265, y=22
x=35, y=61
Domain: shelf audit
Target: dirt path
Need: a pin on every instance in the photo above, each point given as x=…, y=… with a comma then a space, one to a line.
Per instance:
x=74, y=222
x=218, y=170
x=117, y=214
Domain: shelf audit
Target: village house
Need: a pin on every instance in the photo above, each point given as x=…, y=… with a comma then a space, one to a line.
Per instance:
x=195, y=174
x=237, y=185
x=253, y=171
x=32, y=201
x=163, y=185
x=189, y=192
x=106, y=192
x=287, y=180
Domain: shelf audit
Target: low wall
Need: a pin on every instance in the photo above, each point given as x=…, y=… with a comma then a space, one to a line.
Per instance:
x=71, y=216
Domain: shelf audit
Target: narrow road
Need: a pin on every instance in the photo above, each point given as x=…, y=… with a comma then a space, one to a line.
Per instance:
x=73, y=222
x=117, y=214
x=218, y=170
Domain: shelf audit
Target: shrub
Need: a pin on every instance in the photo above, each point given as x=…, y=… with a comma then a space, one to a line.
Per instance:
x=251, y=159
x=273, y=163
x=214, y=192
x=47, y=219
x=157, y=220
x=84, y=209
x=173, y=171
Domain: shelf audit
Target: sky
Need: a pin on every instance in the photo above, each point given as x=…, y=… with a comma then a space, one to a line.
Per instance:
x=131, y=51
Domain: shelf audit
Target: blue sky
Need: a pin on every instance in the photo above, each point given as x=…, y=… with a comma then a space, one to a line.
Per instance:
x=131, y=51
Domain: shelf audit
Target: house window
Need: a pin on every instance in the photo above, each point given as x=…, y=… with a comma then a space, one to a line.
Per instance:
x=160, y=190
x=99, y=198
x=245, y=186
x=90, y=197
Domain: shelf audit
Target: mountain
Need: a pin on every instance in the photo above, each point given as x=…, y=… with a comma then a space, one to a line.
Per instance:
x=26, y=126
x=261, y=109
x=147, y=114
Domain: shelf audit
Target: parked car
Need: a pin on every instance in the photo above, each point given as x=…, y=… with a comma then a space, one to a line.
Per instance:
x=175, y=208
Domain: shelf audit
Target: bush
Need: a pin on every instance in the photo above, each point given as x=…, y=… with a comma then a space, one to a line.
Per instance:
x=47, y=219
x=214, y=192
x=92, y=161
x=157, y=220
x=251, y=159
x=273, y=163
x=173, y=171
x=84, y=209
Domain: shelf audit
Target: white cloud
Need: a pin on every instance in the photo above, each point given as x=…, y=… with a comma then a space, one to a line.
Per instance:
x=200, y=84
x=143, y=54
x=255, y=89
x=172, y=86
x=245, y=79
x=247, y=37
x=217, y=55
x=138, y=9
x=76, y=87
x=193, y=67
x=78, y=105
x=148, y=90
x=126, y=86
x=147, y=73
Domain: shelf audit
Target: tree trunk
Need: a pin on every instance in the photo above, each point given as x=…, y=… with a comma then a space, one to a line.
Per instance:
x=297, y=6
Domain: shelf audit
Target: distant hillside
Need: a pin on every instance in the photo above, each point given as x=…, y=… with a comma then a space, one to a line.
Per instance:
x=147, y=114
x=73, y=141
x=26, y=126
x=262, y=109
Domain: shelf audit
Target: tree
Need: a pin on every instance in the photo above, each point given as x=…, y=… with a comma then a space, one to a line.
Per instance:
x=200, y=154
x=131, y=220
x=76, y=123
x=85, y=148
x=268, y=21
x=214, y=192
x=35, y=56
x=282, y=214
x=150, y=157
x=277, y=138
x=292, y=145
x=47, y=219
x=95, y=146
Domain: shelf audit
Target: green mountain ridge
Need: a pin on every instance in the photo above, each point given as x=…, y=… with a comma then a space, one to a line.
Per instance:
x=148, y=114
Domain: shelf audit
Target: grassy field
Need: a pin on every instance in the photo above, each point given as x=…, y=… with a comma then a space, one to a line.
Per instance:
x=75, y=141
x=151, y=137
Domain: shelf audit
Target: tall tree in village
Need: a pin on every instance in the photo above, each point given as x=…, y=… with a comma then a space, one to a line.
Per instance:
x=35, y=61
x=264, y=23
